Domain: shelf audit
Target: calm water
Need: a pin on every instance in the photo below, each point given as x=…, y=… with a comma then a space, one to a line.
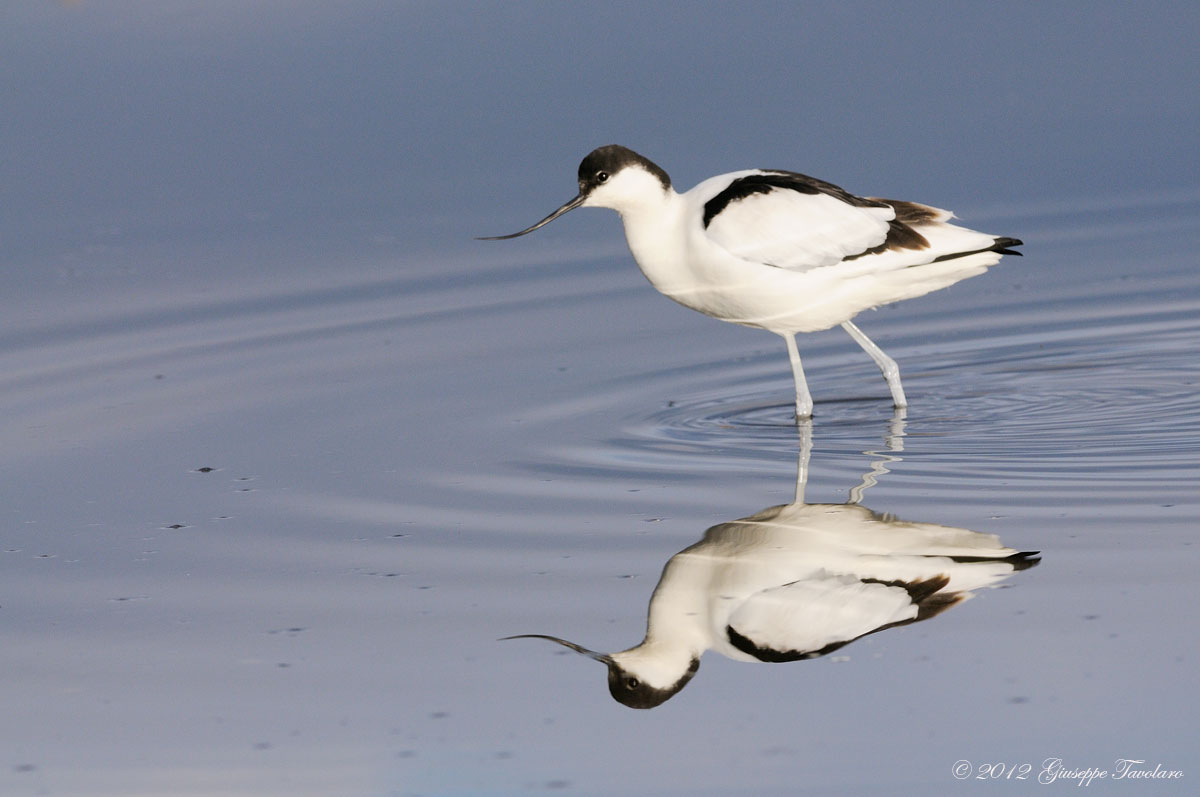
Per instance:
x=274, y=485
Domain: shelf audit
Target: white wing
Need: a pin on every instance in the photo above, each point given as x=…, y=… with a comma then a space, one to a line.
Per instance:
x=791, y=221
x=811, y=617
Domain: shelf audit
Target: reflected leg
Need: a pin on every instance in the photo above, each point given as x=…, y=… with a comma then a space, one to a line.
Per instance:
x=891, y=371
x=894, y=441
x=804, y=427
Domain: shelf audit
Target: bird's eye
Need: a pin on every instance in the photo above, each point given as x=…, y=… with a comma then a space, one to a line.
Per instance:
x=602, y=177
x=632, y=683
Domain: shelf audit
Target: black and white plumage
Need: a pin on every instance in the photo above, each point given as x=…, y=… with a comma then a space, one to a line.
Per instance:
x=798, y=581
x=779, y=250
x=795, y=582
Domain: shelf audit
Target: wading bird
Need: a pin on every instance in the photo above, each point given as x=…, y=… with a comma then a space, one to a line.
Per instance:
x=780, y=251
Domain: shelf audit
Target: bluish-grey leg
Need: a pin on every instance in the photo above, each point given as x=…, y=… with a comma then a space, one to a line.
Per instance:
x=891, y=371
x=804, y=402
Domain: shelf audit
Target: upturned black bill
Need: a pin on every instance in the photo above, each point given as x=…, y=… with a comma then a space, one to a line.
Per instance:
x=574, y=203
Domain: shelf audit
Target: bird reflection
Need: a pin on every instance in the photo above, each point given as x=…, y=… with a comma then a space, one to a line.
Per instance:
x=798, y=581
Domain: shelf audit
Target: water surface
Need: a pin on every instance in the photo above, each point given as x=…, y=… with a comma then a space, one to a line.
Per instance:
x=284, y=453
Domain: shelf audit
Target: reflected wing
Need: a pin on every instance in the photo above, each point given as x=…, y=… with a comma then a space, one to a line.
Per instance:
x=794, y=221
x=810, y=618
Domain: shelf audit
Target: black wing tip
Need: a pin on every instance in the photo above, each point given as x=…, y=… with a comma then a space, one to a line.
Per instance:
x=1023, y=560
x=1001, y=246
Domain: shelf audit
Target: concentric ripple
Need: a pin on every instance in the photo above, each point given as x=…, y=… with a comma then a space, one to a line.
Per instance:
x=1051, y=407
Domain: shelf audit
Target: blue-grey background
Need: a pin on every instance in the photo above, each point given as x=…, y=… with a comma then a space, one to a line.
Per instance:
x=239, y=236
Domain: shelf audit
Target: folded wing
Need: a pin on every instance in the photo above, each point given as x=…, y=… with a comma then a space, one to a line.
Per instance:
x=818, y=615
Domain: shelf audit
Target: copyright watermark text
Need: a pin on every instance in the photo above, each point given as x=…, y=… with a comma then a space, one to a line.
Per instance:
x=1055, y=770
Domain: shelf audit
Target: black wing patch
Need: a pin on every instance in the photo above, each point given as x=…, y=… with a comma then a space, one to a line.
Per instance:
x=764, y=183
x=899, y=236
x=911, y=212
x=772, y=656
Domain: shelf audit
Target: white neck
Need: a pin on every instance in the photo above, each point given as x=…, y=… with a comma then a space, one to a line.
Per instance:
x=677, y=628
x=653, y=229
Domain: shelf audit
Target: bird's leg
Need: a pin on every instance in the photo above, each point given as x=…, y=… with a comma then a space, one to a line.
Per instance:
x=891, y=371
x=804, y=402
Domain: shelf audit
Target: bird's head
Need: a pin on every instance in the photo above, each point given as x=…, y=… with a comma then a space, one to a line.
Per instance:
x=637, y=678
x=609, y=177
